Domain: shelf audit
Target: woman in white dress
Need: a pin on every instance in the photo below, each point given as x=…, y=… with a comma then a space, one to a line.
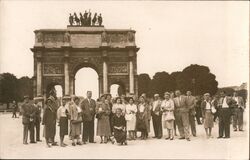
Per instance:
x=168, y=115
x=130, y=116
x=118, y=104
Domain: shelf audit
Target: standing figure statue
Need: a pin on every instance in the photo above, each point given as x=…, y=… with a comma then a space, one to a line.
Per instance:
x=89, y=19
x=85, y=16
x=77, y=20
x=71, y=19
x=81, y=19
x=94, y=19
x=100, y=19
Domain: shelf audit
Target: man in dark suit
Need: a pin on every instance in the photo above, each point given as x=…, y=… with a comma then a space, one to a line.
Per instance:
x=157, y=116
x=88, y=108
x=27, y=120
x=225, y=110
x=38, y=118
x=191, y=106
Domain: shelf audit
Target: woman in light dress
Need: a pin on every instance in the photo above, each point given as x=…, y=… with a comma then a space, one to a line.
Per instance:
x=130, y=116
x=118, y=104
x=168, y=115
x=207, y=115
x=103, y=123
x=75, y=113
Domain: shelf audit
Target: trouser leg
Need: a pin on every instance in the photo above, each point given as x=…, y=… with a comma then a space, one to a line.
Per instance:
x=32, y=131
x=91, y=131
x=25, y=133
x=192, y=124
x=240, y=119
x=235, y=118
x=221, y=123
x=85, y=129
x=180, y=124
x=155, y=125
x=185, y=121
x=227, y=122
x=37, y=131
x=159, y=126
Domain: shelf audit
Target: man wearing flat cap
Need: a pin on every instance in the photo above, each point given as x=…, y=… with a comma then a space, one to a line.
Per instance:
x=157, y=116
x=28, y=116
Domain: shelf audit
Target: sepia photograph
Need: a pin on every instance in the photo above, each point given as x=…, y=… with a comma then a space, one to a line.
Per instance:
x=124, y=79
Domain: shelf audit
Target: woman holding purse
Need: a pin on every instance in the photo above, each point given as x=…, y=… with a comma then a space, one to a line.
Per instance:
x=167, y=106
x=76, y=120
x=103, y=125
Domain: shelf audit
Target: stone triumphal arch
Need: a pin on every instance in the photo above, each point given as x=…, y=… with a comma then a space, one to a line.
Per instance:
x=60, y=53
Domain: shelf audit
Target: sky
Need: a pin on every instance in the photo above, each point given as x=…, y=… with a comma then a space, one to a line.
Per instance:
x=171, y=35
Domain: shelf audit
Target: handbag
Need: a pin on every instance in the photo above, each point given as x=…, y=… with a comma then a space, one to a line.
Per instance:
x=213, y=110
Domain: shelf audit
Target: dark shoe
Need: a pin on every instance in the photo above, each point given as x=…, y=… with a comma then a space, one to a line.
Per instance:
x=101, y=142
x=172, y=138
x=125, y=143
x=92, y=142
x=79, y=143
x=154, y=137
x=219, y=137
x=167, y=138
x=54, y=144
x=194, y=135
x=73, y=144
x=241, y=130
x=158, y=137
x=182, y=138
x=227, y=137
x=25, y=143
x=32, y=142
x=235, y=130
x=39, y=140
x=188, y=139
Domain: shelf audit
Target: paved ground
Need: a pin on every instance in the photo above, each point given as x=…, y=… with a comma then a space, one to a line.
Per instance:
x=198, y=148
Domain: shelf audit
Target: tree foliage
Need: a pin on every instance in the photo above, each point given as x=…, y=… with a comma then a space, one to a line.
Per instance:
x=143, y=83
x=12, y=88
x=8, y=88
x=195, y=78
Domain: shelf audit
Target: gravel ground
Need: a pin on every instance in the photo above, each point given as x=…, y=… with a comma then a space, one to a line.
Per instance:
x=237, y=147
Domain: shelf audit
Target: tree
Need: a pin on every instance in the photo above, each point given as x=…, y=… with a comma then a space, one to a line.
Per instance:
x=197, y=79
x=143, y=83
x=25, y=87
x=8, y=88
x=161, y=83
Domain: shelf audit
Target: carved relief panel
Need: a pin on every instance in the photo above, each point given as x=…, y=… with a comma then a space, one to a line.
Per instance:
x=118, y=68
x=51, y=69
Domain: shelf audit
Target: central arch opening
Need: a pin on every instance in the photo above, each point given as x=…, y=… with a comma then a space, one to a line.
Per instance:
x=86, y=79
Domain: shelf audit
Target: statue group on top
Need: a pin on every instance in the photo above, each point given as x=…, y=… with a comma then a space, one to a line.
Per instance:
x=85, y=19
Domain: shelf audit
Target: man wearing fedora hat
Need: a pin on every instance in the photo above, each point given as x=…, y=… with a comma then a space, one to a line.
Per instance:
x=28, y=117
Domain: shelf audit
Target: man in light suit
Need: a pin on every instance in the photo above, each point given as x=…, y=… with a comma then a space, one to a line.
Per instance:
x=238, y=112
x=182, y=115
x=88, y=108
x=157, y=116
x=191, y=106
x=225, y=107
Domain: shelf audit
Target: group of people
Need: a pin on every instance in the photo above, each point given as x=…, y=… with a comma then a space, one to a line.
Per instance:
x=122, y=116
x=85, y=19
